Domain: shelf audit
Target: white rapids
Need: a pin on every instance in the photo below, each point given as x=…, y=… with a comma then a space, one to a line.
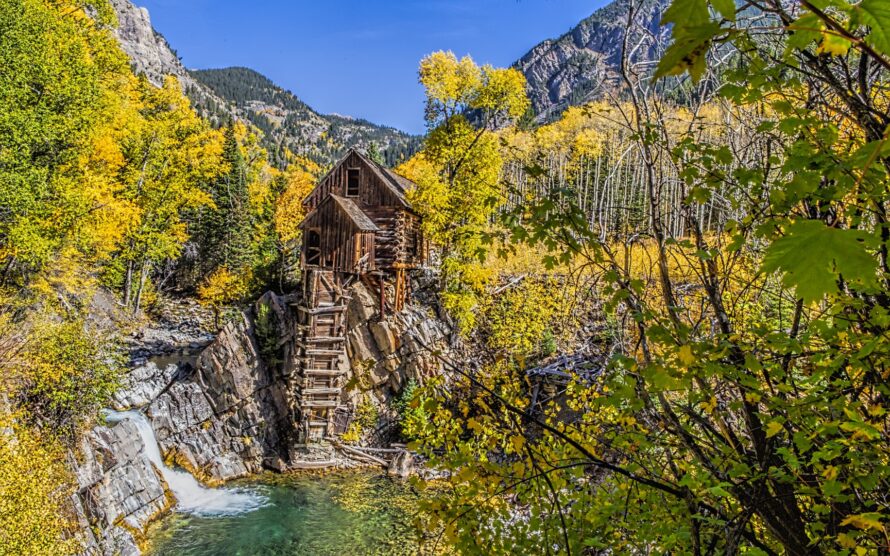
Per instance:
x=191, y=496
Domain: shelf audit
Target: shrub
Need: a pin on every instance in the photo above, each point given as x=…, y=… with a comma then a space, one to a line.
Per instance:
x=266, y=331
x=366, y=417
x=413, y=416
x=66, y=373
x=222, y=288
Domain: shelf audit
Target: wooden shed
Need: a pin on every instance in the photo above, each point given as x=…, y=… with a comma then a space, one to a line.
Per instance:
x=359, y=220
x=359, y=225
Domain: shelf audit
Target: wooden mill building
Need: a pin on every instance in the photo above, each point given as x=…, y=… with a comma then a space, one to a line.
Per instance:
x=359, y=225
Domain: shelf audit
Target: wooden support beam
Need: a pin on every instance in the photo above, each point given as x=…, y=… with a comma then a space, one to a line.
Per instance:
x=382, y=297
x=321, y=391
x=319, y=403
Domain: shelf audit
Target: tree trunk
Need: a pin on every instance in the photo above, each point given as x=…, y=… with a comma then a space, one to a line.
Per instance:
x=142, y=273
x=128, y=284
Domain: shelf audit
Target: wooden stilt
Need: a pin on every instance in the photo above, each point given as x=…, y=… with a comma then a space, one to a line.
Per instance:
x=382, y=297
x=398, y=300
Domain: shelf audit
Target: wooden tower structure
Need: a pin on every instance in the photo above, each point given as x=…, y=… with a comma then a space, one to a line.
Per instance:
x=359, y=225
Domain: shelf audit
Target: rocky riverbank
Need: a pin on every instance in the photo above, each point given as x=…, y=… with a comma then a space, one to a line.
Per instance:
x=220, y=408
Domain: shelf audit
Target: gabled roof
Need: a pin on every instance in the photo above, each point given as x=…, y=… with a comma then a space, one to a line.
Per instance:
x=359, y=218
x=397, y=184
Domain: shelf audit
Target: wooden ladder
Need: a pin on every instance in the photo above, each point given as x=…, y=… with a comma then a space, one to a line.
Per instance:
x=321, y=349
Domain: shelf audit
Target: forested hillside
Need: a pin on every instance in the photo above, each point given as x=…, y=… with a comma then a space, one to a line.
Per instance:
x=289, y=124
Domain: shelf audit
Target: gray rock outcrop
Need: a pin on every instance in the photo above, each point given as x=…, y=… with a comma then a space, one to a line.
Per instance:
x=583, y=64
x=148, y=50
x=143, y=384
x=385, y=354
x=119, y=490
x=229, y=416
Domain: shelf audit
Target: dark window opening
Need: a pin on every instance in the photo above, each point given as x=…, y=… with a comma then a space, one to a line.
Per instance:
x=352, y=181
x=313, y=248
x=415, y=242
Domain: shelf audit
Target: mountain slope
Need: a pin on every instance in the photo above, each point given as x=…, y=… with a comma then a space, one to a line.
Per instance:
x=289, y=122
x=583, y=64
x=240, y=93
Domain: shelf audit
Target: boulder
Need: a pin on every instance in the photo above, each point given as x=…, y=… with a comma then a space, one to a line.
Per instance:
x=362, y=307
x=402, y=466
x=386, y=336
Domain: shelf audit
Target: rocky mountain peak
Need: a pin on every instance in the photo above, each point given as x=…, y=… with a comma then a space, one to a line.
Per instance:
x=582, y=65
x=149, y=51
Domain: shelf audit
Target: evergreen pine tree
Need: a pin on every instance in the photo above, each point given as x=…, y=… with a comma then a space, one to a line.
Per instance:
x=224, y=235
x=375, y=154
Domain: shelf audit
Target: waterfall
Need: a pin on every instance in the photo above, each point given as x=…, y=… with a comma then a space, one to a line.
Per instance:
x=191, y=496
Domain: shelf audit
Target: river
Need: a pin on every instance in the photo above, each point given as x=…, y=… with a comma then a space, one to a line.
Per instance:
x=354, y=513
x=349, y=513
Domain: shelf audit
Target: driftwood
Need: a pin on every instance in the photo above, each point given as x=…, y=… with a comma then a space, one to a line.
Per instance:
x=356, y=452
x=382, y=450
x=509, y=284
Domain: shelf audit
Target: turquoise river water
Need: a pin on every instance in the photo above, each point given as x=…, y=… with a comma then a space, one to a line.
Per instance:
x=352, y=514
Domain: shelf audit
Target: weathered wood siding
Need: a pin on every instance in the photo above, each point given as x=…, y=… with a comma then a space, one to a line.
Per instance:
x=343, y=246
x=372, y=191
x=398, y=244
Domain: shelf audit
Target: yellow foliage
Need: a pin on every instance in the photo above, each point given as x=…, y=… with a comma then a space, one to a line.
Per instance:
x=35, y=490
x=527, y=316
x=453, y=85
x=449, y=81
x=298, y=183
x=224, y=287
x=64, y=373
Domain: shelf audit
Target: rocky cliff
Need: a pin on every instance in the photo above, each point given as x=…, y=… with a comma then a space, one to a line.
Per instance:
x=385, y=353
x=119, y=490
x=228, y=415
x=243, y=94
x=223, y=411
x=149, y=52
x=583, y=64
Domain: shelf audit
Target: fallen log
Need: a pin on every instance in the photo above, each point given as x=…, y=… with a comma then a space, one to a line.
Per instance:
x=349, y=450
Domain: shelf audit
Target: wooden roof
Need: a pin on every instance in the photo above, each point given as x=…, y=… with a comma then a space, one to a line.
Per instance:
x=395, y=183
x=359, y=218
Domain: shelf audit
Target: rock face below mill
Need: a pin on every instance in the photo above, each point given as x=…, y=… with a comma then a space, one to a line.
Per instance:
x=229, y=415
x=386, y=353
x=119, y=490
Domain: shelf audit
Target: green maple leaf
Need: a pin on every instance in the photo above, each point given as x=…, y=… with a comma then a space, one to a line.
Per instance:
x=726, y=8
x=813, y=256
x=692, y=32
x=876, y=14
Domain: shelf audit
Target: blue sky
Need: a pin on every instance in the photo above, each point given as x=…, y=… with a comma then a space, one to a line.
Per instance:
x=358, y=57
